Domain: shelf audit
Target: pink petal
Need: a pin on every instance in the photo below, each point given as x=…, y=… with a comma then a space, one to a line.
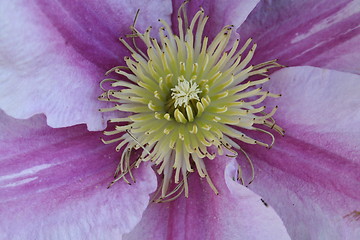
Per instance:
x=321, y=33
x=236, y=213
x=53, y=184
x=221, y=13
x=55, y=53
x=320, y=99
x=312, y=176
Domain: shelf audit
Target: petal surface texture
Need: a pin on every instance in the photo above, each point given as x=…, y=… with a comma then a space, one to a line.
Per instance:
x=222, y=13
x=236, y=213
x=312, y=176
x=55, y=53
x=319, y=33
x=53, y=184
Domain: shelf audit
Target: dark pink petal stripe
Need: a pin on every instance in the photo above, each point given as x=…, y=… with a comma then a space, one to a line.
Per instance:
x=321, y=33
x=236, y=213
x=312, y=175
x=53, y=184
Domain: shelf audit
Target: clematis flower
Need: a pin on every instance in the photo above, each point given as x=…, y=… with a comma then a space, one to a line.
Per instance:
x=53, y=180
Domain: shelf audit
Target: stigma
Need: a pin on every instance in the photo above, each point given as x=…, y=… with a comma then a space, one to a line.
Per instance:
x=185, y=96
x=185, y=91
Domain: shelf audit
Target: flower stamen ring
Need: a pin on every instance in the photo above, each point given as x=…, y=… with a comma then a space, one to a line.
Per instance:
x=185, y=96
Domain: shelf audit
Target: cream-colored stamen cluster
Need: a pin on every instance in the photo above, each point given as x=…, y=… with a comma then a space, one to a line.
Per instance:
x=186, y=96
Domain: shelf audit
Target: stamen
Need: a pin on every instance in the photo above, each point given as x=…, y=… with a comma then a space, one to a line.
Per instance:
x=185, y=95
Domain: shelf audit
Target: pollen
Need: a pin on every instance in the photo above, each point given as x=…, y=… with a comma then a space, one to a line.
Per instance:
x=186, y=100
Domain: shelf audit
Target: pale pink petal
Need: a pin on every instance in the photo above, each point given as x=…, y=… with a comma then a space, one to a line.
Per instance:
x=312, y=176
x=321, y=33
x=319, y=99
x=55, y=53
x=236, y=213
x=53, y=184
x=221, y=13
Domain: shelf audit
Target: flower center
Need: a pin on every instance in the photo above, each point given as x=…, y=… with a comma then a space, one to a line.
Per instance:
x=184, y=97
x=185, y=91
